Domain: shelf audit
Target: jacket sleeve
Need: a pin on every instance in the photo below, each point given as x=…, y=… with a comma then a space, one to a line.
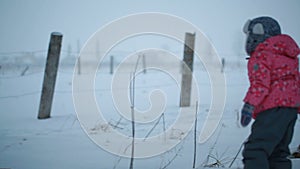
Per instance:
x=259, y=77
x=298, y=88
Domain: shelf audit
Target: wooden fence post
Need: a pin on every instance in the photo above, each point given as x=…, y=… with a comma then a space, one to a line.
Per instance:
x=50, y=75
x=78, y=59
x=223, y=65
x=188, y=59
x=111, y=64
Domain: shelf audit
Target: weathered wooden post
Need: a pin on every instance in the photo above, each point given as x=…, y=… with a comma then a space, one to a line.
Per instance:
x=78, y=59
x=223, y=65
x=188, y=59
x=50, y=75
x=111, y=64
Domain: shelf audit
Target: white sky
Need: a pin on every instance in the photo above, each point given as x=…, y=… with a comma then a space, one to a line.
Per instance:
x=26, y=25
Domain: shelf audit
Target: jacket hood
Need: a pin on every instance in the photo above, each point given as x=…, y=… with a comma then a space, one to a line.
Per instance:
x=280, y=44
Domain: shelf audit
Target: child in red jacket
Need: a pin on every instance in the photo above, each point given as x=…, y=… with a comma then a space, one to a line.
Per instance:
x=273, y=98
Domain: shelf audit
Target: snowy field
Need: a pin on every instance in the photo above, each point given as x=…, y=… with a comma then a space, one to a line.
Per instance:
x=60, y=142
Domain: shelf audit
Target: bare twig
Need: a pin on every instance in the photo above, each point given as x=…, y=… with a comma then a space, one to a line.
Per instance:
x=195, y=136
x=174, y=157
x=132, y=91
x=218, y=163
x=119, y=121
x=25, y=70
x=238, y=153
x=147, y=135
x=214, y=145
x=164, y=126
x=117, y=163
x=115, y=126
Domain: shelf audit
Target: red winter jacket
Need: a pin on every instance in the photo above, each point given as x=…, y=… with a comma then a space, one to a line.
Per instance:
x=273, y=71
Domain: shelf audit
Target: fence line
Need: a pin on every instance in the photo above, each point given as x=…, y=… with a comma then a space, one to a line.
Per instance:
x=70, y=91
x=101, y=90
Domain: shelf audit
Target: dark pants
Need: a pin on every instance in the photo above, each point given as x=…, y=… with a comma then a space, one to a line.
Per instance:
x=268, y=144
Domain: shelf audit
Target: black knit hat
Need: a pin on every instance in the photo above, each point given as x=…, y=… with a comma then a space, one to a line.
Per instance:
x=258, y=30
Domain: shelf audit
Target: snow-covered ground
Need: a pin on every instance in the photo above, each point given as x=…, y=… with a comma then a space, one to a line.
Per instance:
x=60, y=142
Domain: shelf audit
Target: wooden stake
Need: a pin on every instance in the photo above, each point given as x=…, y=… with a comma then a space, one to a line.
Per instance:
x=111, y=64
x=50, y=75
x=79, y=63
x=223, y=65
x=188, y=59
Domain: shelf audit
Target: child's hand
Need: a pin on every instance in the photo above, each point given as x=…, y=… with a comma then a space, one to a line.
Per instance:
x=247, y=112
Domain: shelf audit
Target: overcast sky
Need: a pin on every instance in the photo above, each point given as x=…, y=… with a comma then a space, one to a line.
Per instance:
x=26, y=25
